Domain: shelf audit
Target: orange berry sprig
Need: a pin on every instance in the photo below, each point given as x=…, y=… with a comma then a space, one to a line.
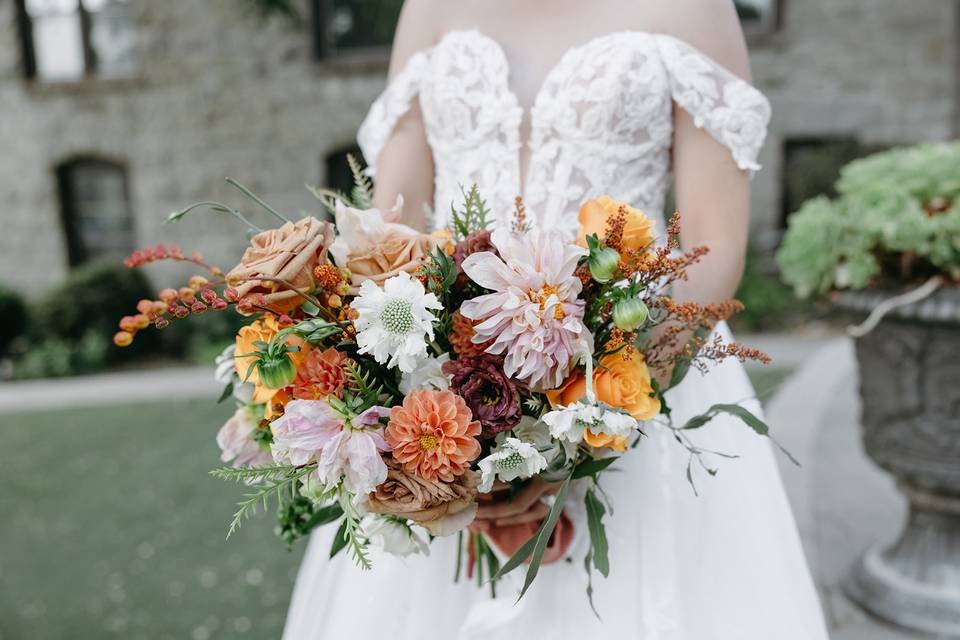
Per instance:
x=194, y=299
x=147, y=255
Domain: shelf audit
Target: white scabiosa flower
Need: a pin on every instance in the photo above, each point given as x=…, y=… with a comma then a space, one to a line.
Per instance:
x=394, y=322
x=513, y=459
x=428, y=375
x=394, y=536
x=568, y=423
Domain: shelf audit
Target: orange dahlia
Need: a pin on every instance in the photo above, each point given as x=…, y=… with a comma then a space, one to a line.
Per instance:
x=321, y=374
x=461, y=333
x=433, y=435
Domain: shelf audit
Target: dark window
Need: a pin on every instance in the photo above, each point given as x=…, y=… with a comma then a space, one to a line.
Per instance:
x=759, y=16
x=811, y=167
x=339, y=176
x=354, y=27
x=95, y=209
x=68, y=40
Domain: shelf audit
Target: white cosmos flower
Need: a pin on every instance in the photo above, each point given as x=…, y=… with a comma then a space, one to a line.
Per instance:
x=393, y=536
x=428, y=375
x=567, y=423
x=513, y=459
x=394, y=321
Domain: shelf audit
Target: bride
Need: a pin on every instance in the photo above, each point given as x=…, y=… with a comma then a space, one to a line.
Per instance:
x=560, y=101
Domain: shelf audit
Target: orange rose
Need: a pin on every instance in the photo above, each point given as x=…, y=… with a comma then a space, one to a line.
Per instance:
x=289, y=253
x=263, y=330
x=619, y=382
x=395, y=253
x=594, y=214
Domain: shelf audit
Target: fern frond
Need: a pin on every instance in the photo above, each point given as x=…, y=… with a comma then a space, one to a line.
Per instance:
x=362, y=187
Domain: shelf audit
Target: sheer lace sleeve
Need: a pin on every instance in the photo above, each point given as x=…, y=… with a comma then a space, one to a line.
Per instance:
x=727, y=107
x=389, y=108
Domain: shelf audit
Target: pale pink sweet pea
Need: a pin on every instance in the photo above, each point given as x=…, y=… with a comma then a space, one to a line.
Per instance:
x=303, y=430
x=236, y=442
x=311, y=431
x=534, y=315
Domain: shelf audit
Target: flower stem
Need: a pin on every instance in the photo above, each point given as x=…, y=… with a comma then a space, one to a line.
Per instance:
x=216, y=206
x=256, y=199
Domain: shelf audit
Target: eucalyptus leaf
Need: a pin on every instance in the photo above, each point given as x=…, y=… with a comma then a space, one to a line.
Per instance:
x=598, y=533
x=339, y=540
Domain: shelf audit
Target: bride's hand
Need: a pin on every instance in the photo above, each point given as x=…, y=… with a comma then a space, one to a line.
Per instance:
x=497, y=509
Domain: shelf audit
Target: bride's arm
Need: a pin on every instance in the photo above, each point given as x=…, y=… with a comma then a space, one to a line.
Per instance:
x=405, y=165
x=713, y=194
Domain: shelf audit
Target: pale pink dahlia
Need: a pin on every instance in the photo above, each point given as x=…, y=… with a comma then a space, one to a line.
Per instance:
x=533, y=315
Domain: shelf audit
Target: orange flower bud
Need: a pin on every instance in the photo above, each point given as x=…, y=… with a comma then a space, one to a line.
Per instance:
x=197, y=282
x=285, y=320
x=208, y=295
x=335, y=301
x=128, y=324
x=123, y=338
x=159, y=308
x=219, y=305
x=144, y=306
x=187, y=294
x=198, y=307
x=231, y=294
x=169, y=295
x=141, y=320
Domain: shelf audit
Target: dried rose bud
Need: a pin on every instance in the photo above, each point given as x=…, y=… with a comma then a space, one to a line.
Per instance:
x=208, y=295
x=198, y=307
x=245, y=305
x=231, y=294
x=169, y=295
x=122, y=338
x=197, y=282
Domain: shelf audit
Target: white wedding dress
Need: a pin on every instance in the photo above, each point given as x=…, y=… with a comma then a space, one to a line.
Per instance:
x=724, y=565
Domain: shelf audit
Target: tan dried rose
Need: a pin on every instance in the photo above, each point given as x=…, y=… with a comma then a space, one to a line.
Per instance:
x=443, y=508
x=373, y=244
x=394, y=253
x=289, y=253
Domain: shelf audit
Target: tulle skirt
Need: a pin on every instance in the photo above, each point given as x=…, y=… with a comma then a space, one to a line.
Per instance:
x=722, y=565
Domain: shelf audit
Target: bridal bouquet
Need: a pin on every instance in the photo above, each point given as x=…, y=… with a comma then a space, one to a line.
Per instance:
x=388, y=380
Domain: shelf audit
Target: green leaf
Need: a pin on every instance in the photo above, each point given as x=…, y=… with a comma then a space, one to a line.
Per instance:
x=542, y=538
x=227, y=392
x=339, y=540
x=324, y=515
x=598, y=533
x=309, y=308
x=592, y=466
x=588, y=566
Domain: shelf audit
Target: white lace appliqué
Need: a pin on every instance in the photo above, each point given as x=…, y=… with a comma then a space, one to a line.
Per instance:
x=602, y=123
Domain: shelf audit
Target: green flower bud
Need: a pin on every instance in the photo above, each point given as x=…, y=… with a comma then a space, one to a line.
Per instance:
x=276, y=371
x=604, y=262
x=630, y=313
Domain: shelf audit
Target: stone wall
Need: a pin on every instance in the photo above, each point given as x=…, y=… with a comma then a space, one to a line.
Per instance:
x=884, y=71
x=218, y=93
x=221, y=93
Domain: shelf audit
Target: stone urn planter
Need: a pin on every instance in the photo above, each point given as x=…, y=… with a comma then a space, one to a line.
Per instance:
x=910, y=388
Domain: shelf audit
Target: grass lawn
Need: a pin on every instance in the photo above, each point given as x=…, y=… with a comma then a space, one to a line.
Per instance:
x=111, y=528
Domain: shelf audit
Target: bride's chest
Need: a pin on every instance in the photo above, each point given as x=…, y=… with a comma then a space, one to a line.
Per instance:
x=612, y=90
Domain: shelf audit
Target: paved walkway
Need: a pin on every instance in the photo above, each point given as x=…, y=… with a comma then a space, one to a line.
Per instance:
x=109, y=388
x=843, y=503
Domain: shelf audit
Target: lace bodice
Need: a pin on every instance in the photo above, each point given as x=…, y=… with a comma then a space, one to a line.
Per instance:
x=602, y=122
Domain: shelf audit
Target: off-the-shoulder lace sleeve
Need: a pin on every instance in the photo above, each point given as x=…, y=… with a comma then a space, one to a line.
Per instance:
x=727, y=107
x=389, y=108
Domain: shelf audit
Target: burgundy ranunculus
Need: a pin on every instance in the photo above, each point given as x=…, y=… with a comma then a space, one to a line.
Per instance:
x=487, y=390
x=474, y=243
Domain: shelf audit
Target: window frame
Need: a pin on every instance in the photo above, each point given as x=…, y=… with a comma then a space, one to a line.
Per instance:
x=77, y=252
x=324, y=48
x=28, y=50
